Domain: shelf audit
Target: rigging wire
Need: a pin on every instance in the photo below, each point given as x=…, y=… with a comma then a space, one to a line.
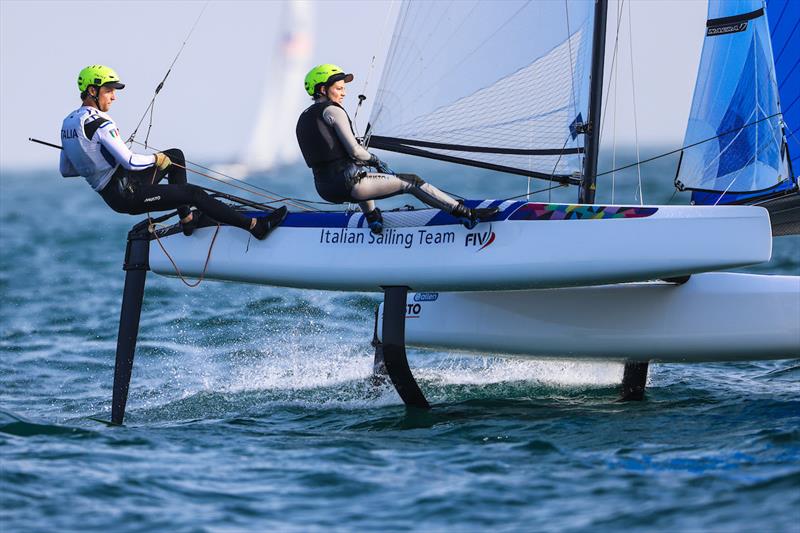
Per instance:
x=363, y=95
x=635, y=120
x=615, y=76
x=756, y=150
x=675, y=151
x=546, y=189
x=572, y=83
x=150, y=107
x=243, y=185
x=613, y=66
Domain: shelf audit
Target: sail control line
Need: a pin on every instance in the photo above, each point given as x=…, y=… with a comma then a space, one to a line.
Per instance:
x=151, y=106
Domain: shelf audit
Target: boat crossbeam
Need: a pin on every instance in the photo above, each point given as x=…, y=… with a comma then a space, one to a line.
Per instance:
x=390, y=355
x=136, y=266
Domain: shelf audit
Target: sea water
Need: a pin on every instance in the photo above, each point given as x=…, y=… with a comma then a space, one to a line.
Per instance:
x=251, y=407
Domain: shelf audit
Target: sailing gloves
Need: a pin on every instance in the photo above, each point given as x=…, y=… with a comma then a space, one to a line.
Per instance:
x=162, y=161
x=379, y=165
x=470, y=217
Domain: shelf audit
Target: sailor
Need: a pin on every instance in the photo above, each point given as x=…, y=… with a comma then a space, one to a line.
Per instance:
x=129, y=182
x=331, y=150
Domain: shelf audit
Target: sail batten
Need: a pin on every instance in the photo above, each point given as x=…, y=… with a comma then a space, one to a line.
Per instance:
x=499, y=85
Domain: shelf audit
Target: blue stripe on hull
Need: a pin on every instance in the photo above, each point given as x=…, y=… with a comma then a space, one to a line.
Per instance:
x=524, y=211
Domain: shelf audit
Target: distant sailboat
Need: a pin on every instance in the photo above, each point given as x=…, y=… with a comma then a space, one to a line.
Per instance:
x=747, y=96
x=272, y=142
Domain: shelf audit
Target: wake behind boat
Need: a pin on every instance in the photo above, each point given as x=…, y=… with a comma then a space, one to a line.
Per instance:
x=527, y=245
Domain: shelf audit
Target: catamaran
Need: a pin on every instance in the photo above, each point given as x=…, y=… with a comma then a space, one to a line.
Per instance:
x=530, y=281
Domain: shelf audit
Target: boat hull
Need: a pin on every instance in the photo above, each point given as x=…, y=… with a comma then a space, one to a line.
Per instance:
x=712, y=317
x=528, y=245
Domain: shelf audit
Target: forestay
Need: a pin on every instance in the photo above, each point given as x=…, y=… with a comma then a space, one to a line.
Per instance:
x=500, y=85
x=736, y=103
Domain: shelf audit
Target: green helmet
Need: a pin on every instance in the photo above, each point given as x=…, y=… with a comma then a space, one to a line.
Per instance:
x=98, y=75
x=325, y=74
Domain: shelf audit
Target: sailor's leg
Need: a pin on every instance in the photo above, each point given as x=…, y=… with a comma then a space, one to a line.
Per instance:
x=428, y=194
x=367, y=206
x=163, y=197
x=394, y=347
x=634, y=380
x=375, y=185
x=176, y=174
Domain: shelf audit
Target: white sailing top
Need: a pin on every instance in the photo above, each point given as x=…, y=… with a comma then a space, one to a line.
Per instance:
x=93, y=148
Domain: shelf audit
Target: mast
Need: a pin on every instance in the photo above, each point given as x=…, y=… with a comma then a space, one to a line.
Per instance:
x=634, y=378
x=592, y=128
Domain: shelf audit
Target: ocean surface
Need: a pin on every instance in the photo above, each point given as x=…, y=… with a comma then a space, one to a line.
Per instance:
x=251, y=407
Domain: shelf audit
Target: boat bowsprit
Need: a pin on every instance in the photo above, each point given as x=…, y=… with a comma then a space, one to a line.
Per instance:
x=527, y=245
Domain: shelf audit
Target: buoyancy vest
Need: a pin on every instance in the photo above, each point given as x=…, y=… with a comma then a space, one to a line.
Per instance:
x=318, y=140
x=83, y=148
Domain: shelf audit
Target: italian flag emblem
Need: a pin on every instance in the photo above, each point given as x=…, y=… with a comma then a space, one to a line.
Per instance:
x=115, y=133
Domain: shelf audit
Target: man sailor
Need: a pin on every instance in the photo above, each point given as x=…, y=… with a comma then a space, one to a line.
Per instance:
x=129, y=182
x=331, y=150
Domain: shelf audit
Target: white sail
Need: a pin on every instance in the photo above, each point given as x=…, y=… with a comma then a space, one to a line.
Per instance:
x=499, y=85
x=272, y=141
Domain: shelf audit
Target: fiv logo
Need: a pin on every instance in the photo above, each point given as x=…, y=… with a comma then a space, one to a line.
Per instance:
x=481, y=239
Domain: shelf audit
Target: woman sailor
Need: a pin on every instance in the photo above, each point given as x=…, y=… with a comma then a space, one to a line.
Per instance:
x=331, y=150
x=128, y=182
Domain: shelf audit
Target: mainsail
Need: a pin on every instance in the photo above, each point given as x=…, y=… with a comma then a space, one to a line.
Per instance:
x=736, y=138
x=499, y=85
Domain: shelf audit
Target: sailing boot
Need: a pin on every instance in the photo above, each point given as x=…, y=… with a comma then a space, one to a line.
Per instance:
x=470, y=217
x=189, y=227
x=264, y=226
x=375, y=221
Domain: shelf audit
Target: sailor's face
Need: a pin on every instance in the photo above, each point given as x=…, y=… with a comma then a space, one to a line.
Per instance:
x=106, y=98
x=337, y=92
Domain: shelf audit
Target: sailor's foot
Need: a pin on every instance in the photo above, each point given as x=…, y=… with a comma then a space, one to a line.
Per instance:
x=375, y=221
x=470, y=217
x=264, y=226
x=189, y=224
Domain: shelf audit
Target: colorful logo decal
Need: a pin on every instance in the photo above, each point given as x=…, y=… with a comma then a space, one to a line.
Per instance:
x=577, y=212
x=480, y=238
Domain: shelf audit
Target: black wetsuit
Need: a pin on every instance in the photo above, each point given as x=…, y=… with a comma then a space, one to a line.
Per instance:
x=330, y=148
x=138, y=191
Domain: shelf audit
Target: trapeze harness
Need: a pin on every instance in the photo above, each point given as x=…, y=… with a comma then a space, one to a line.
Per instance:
x=128, y=182
x=330, y=148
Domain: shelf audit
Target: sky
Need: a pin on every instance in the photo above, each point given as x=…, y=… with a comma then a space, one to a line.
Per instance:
x=208, y=103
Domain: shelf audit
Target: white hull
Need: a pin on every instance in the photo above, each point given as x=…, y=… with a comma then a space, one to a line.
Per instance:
x=428, y=250
x=712, y=317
